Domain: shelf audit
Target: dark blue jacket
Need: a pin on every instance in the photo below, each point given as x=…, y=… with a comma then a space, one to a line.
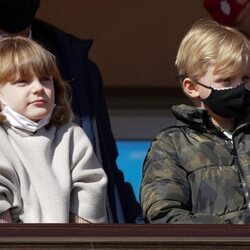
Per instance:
x=90, y=110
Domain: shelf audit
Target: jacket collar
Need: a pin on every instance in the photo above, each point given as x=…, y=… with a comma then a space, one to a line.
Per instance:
x=192, y=116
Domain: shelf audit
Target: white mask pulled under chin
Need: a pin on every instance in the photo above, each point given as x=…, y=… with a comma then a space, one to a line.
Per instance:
x=21, y=122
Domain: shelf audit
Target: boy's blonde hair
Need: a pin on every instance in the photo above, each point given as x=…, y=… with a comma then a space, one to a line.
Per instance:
x=208, y=42
x=22, y=57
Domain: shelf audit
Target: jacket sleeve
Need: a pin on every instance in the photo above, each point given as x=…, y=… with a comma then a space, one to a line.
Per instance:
x=88, y=194
x=165, y=192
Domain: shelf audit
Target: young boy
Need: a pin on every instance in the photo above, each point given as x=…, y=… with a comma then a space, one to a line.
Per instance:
x=199, y=170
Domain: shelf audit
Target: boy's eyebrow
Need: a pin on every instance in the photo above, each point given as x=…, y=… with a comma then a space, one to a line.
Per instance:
x=221, y=79
x=220, y=76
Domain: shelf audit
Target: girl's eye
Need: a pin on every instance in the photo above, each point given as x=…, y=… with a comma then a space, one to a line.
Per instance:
x=21, y=83
x=45, y=79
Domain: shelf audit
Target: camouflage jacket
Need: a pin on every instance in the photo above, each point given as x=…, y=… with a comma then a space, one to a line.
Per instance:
x=193, y=173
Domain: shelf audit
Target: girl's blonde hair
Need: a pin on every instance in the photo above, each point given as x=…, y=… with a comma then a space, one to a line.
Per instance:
x=208, y=42
x=22, y=57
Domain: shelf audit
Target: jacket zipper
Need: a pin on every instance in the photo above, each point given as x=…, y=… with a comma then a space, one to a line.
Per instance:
x=241, y=173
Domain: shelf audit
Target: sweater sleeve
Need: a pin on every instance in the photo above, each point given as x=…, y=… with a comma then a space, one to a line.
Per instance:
x=165, y=191
x=89, y=181
x=10, y=198
x=10, y=190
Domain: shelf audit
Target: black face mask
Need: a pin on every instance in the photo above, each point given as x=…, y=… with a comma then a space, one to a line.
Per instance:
x=16, y=15
x=228, y=103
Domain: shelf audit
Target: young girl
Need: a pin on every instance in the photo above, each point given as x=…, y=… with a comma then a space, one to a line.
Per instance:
x=48, y=170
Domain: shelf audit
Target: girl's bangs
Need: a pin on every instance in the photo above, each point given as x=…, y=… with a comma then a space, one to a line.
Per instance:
x=25, y=64
x=36, y=64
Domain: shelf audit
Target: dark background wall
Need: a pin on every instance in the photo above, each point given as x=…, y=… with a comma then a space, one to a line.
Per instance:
x=135, y=41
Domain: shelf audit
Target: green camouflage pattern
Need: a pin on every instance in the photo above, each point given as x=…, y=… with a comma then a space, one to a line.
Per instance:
x=193, y=173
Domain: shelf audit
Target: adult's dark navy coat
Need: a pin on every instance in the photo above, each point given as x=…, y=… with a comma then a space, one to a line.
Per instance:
x=90, y=109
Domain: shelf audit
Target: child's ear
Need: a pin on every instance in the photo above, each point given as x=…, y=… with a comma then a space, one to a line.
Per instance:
x=190, y=88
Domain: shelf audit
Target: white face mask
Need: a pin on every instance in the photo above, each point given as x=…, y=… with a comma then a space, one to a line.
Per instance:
x=21, y=122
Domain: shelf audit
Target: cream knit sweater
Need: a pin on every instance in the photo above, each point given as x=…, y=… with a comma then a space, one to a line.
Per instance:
x=48, y=174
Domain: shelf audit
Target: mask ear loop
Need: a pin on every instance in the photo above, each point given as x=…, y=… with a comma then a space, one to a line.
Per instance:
x=2, y=104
